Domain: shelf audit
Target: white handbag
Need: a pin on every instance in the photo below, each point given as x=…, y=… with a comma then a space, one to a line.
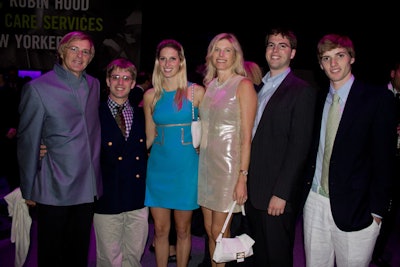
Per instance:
x=232, y=249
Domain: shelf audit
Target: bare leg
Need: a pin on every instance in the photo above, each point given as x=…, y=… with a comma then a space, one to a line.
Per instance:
x=183, y=220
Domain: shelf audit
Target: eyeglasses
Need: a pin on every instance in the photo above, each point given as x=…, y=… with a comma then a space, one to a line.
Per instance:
x=76, y=50
x=280, y=46
x=118, y=77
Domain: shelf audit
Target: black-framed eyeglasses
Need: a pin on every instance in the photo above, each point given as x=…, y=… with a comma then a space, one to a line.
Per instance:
x=76, y=50
x=125, y=78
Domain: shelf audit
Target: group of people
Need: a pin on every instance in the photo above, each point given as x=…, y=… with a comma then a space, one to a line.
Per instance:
x=262, y=145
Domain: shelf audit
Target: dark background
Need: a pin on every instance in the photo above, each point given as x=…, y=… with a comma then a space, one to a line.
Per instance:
x=373, y=28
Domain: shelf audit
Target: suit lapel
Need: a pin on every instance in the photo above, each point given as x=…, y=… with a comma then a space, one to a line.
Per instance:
x=275, y=98
x=351, y=111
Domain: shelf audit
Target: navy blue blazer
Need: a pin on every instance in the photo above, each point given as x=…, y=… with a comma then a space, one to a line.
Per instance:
x=281, y=144
x=123, y=164
x=363, y=156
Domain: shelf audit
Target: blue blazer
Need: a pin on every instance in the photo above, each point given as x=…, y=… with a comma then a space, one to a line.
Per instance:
x=123, y=164
x=363, y=156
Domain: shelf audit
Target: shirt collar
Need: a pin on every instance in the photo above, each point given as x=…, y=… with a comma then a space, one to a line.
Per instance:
x=343, y=91
x=277, y=79
x=112, y=104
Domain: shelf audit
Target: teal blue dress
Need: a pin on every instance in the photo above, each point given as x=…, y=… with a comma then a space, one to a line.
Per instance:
x=172, y=166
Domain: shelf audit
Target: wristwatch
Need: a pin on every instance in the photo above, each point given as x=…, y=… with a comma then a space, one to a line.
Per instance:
x=244, y=172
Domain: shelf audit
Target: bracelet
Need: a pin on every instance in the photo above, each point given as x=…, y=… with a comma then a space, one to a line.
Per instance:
x=244, y=172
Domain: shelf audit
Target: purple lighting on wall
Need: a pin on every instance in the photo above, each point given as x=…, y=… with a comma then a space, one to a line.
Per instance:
x=31, y=73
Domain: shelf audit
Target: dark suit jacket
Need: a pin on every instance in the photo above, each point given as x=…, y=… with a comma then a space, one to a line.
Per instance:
x=281, y=143
x=362, y=161
x=123, y=164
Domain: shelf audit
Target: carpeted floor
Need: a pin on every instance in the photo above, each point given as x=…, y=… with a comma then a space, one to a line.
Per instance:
x=7, y=249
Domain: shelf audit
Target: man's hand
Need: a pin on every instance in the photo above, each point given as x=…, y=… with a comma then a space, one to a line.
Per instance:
x=43, y=151
x=276, y=206
x=30, y=203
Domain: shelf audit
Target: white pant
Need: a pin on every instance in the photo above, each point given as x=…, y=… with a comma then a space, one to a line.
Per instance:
x=324, y=242
x=121, y=238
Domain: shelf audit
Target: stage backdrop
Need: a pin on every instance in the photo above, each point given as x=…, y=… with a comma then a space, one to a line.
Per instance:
x=32, y=29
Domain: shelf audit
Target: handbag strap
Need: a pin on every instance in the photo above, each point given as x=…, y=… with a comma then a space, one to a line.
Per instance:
x=230, y=214
x=193, y=102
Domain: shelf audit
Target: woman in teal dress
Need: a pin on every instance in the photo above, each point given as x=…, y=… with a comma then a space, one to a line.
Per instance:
x=171, y=182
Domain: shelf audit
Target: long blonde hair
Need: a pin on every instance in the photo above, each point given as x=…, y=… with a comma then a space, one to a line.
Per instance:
x=238, y=65
x=158, y=77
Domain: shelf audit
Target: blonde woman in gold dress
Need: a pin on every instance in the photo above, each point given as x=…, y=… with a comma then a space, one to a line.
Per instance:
x=227, y=112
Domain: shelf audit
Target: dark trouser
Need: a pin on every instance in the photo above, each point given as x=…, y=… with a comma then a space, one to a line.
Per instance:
x=273, y=235
x=64, y=235
x=389, y=219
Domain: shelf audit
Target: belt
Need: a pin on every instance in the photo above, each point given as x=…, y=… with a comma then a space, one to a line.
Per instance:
x=173, y=125
x=319, y=190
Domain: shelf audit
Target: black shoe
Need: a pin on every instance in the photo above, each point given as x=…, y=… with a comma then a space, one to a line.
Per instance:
x=172, y=258
x=381, y=262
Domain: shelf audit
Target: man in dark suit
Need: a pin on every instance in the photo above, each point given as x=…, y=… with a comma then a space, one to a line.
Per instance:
x=342, y=221
x=281, y=139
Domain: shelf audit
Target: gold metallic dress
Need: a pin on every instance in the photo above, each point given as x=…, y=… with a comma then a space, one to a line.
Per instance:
x=220, y=145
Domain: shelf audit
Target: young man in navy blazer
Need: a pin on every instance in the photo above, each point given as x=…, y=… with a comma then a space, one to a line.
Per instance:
x=342, y=222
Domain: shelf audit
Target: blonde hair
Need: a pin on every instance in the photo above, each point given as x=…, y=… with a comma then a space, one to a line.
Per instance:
x=238, y=65
x=158, y=77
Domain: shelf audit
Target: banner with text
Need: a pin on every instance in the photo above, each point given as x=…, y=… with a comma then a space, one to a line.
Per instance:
x=32, y=29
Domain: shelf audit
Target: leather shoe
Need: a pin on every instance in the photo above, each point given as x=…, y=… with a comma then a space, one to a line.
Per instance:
x=380, y=262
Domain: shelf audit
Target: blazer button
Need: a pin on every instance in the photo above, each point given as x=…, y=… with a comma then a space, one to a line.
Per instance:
x=137, y=175
x=141, y=140
x=119, y=158
x=109, y=143
x=137, y=158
